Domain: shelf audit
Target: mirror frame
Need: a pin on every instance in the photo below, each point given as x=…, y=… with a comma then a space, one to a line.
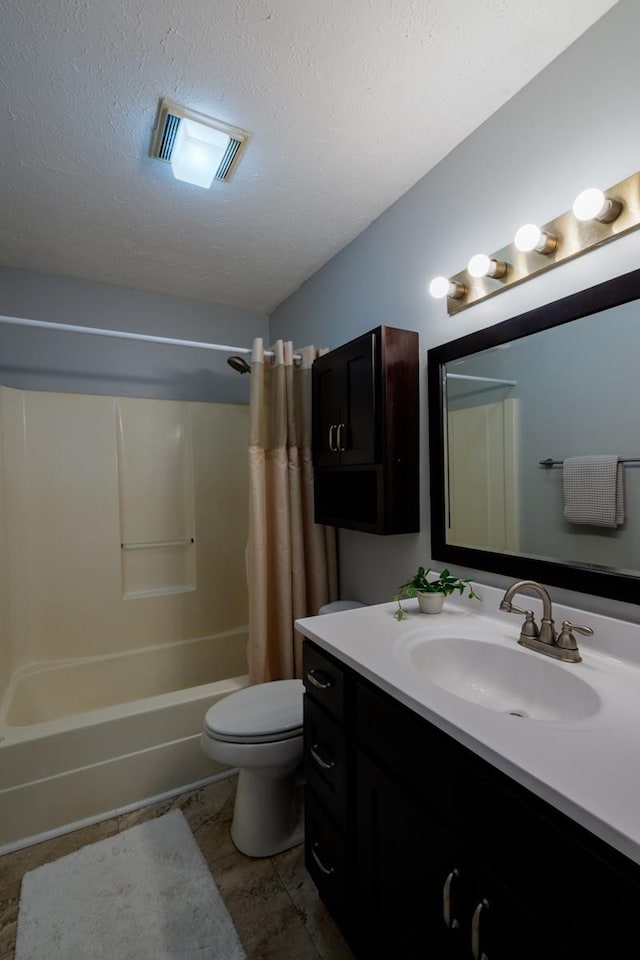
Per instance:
x=599, y=582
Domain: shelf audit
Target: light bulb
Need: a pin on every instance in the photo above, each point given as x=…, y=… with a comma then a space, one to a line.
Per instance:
x=479, y=265
x=588, y=204
x=592, y=204
x=439, y=287
x=530, y=237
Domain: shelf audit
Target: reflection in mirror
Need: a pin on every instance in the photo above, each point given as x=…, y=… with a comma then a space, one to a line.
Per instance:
x=511, y=407
x=572, y=391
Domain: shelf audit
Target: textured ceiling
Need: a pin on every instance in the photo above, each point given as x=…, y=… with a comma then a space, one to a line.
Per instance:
x=349, y=102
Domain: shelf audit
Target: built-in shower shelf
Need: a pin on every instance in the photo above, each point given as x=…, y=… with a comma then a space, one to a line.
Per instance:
x=157, y=568
x=160, y=592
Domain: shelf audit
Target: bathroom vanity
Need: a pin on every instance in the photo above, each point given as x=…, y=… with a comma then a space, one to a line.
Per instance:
x=467, y=798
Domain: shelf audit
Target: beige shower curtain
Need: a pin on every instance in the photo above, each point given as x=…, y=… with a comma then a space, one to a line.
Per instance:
x=291, y=561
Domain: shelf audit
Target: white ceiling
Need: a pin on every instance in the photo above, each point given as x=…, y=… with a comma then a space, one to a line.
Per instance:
x=349, y=102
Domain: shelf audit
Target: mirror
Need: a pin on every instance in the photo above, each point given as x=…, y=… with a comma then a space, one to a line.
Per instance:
x=508, y=406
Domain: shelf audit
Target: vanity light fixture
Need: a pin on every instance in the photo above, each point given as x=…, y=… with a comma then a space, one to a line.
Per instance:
x=199, y=148
x=530, y=237
x=441, y=287
x=481, y=265
x=596, y=218
x=592, y=204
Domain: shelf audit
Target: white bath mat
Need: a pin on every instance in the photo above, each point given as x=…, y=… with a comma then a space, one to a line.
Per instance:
x=145, y=894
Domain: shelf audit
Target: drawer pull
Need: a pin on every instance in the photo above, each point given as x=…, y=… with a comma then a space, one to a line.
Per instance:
x=314, y=853
x=449, y=919
x=326, y=764
x=476, y=932
x=319, y=679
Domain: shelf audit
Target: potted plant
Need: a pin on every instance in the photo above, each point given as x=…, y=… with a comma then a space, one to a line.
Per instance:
x=431, y=592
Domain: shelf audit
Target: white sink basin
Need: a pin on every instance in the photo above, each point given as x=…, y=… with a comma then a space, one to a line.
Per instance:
x=505, y=680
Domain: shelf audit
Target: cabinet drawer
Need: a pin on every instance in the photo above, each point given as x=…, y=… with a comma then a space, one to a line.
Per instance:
x=325, y=759
x=325, y=857
x=324, y=679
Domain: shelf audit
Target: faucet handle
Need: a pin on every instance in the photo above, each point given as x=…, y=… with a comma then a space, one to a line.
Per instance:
x=566, y=639
x=529, y=627
x=509, y=608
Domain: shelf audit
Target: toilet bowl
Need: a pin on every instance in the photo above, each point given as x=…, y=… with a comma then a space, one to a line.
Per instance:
x=259, y=730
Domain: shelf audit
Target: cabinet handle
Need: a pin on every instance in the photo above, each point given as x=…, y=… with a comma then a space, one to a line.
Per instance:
x=319, y=759
x=314, y=853
x=319, y=679
x=476, y=933
x=332, y=446
x=450, y=920
x=340, y=442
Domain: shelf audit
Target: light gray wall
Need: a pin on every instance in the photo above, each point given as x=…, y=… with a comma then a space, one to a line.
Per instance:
x=76, y=363
x=572, y=126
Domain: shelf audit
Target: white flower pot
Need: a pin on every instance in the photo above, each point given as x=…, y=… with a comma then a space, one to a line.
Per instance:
x=431, y=602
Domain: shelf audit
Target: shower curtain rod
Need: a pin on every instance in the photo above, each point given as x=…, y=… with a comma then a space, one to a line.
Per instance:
x=124, y=335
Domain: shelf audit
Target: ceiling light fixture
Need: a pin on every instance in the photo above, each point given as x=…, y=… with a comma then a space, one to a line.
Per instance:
x=592, y=204
x=441, y=287
x=200, y=149
x=530, y=237
x=481, y=265
x=197, y=152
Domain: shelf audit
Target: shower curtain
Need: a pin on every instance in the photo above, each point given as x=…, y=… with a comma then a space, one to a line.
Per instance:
x=291, y=561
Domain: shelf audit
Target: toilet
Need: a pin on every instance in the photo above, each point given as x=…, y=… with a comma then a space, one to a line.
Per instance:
x=259, y=730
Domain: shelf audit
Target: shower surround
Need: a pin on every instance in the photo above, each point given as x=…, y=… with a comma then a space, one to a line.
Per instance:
x=123, y=603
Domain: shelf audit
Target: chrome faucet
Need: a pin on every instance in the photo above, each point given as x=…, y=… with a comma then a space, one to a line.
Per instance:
x=544, y=640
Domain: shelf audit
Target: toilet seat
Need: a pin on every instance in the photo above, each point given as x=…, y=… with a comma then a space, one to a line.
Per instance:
x=265, y=713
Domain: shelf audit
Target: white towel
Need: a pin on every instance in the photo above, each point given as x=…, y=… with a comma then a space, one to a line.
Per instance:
x=593, y=490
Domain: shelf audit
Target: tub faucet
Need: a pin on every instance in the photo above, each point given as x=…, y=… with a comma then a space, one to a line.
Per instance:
x=544, y=640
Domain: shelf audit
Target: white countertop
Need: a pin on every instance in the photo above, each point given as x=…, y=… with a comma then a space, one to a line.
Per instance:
x=588, y=768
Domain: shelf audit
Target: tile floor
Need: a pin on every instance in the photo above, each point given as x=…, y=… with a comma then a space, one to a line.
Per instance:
x=273, y=901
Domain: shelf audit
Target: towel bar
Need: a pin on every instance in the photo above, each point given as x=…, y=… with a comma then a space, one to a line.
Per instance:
x=555, y=463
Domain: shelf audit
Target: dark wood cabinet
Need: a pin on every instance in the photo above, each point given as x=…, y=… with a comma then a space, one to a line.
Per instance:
x=366, y=433
x=421, y=849
x=404, y=862
x=345, y=397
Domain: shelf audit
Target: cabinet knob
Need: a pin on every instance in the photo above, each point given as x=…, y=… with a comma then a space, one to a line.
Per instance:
x=319, y=679
x=326, y=763
x=476, y=931
x=321, y=866
x=449, y=919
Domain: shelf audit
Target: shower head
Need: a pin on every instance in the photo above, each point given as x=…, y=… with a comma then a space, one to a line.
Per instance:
x=239, y=364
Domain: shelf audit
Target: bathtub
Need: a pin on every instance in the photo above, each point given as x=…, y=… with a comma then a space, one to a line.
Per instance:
x=84, y=738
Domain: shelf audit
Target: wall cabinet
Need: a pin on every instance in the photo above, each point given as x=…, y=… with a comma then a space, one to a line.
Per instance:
x=366, y=433
x=420, y=849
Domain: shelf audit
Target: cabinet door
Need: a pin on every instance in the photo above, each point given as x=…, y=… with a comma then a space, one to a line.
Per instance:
x=498, y=926
x=327, y=409
x=410, y=876
x=359, y=422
